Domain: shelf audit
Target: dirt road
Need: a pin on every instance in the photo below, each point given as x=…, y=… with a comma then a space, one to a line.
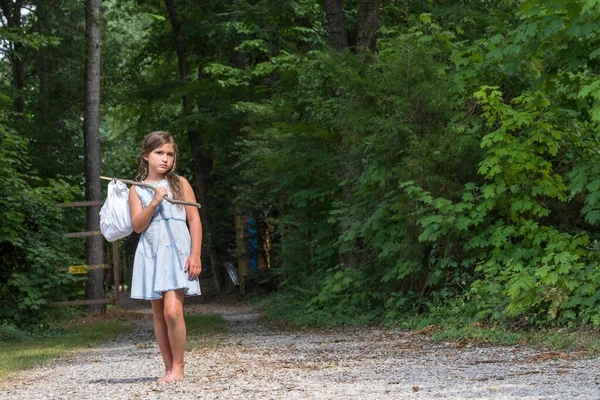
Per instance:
x=259, y=361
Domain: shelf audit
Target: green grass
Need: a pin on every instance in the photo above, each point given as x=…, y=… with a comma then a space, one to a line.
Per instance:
x=205, y=331
x=586, y=342
x=31, y=352
x=478, y=335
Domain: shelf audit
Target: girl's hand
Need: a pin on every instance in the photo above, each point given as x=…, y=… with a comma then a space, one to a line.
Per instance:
x=193, y=266
x=159, y=194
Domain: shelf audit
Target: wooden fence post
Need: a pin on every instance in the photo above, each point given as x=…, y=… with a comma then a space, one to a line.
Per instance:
x=116, y=276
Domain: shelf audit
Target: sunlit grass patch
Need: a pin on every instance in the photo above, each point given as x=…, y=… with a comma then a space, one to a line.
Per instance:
x=205, y=331
x=30, y=352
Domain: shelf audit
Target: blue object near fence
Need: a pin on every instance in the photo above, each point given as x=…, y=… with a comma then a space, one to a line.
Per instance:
x=252, y=244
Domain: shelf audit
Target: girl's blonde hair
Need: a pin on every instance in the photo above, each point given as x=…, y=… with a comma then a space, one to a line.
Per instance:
x=152, y=141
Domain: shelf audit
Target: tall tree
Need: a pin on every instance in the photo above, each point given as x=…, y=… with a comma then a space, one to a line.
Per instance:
x=201, y=158
x=43, y=115
x=368, y=25
x=336, y=26
x=12, y=14
x=91, y=131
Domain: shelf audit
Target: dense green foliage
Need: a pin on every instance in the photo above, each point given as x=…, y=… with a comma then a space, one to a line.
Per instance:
x=31, y=239
x=457, y=163
x=476, y=156
x=32, y=226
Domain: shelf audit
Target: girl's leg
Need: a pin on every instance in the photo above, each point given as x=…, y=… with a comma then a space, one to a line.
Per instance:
x=162, y=336
x=173, y=315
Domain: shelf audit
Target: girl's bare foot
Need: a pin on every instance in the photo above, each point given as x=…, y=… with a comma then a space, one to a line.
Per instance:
x=176, y=373
x=165, y=377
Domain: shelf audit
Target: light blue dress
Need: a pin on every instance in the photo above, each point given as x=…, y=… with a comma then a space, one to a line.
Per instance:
x=162, y=251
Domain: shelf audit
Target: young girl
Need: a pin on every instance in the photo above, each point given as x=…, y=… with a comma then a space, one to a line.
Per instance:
x=167, y=259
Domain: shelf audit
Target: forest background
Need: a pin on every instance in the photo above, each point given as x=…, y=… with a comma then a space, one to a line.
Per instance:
x=412, y=160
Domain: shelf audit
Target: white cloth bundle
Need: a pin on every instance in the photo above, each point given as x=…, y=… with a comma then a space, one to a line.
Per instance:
x=115, y=220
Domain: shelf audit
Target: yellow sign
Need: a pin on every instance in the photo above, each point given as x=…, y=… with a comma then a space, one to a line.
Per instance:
x=84, y=269
x=78, y=269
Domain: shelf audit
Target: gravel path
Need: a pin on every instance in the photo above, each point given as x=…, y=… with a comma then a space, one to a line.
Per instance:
x=256, y=361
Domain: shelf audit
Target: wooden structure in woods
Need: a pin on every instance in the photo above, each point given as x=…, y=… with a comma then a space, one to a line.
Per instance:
x=243, y=258
x=83, y=269
x=243, y=251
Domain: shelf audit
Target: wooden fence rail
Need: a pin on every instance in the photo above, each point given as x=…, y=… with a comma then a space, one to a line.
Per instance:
x=83, y=269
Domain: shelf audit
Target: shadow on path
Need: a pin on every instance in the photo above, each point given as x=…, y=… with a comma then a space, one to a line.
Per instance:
x=126, y=380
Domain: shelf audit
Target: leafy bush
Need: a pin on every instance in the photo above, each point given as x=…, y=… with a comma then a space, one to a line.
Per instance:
x=31, y=239
x=521, y=265
x=333, y=107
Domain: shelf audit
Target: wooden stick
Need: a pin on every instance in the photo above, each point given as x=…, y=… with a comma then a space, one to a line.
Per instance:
x=185, y=203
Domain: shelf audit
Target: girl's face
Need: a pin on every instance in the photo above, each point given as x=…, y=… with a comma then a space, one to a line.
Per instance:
x=160, y=160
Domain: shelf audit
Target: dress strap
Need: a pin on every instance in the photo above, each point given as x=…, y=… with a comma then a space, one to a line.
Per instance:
x=172, y=240
x=144, y=194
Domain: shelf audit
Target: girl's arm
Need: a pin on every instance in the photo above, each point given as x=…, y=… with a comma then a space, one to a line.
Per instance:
x=141, y=217
x=193, y=265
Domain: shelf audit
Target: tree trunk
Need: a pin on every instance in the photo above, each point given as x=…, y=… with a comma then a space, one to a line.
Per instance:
x=181, y=50
x=368, y=25
x=200, y=157
x=203, y=165
x=19, y=74
x=350, y=166
x=94, y=288
x=12, y=13
x=338, y=38
x=45, y=118
x=336, y=27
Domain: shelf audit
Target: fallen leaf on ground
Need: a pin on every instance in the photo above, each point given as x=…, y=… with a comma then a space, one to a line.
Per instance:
x=423, y=331
x=550, y=356
x=460, y=343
